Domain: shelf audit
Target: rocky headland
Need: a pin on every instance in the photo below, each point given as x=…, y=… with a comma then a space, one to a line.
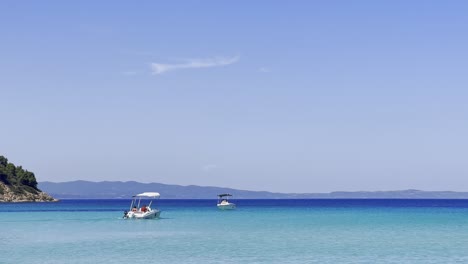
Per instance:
x=19, y=185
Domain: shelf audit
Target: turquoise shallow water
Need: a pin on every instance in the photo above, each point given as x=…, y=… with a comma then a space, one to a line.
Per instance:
x=259, y=231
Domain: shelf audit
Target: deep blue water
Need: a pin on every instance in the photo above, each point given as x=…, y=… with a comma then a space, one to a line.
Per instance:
x=258, y=231
x=122, y=204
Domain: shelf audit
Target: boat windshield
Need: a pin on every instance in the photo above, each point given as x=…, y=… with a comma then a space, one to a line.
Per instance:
x=224, y=197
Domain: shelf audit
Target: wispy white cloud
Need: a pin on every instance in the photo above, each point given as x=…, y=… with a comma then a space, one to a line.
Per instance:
x=160, y=68
x=264, y=69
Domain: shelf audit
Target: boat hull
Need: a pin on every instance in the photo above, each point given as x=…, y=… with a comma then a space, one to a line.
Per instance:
x=143, y=215
x=228, y=206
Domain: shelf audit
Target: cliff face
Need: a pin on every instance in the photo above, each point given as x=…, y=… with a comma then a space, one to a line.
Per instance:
x=14, y=194
x=19, y=185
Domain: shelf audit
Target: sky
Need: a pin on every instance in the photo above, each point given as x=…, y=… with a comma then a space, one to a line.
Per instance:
x=284, y=96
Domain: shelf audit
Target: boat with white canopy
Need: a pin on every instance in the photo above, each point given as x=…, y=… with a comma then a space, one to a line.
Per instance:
x=140, y=210
x=223, y=202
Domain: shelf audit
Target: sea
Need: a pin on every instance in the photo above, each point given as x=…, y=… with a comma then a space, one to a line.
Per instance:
x=258, y=231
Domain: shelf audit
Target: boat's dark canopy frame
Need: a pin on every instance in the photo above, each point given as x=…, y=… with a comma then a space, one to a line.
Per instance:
x=224, y=195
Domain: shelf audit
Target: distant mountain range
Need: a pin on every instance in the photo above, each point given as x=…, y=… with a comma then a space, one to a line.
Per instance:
x=122, y=190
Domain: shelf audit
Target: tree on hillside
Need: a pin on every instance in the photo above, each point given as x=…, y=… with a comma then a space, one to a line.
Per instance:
x=10, y=170
x=3, y=161
x=29, y=179
x=3, y=175
x=12, y=175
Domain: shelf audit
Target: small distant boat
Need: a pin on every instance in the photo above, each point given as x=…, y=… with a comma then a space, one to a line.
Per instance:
x=223, y=202
x=145, y=211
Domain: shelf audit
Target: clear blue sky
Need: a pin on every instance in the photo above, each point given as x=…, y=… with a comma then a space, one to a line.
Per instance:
x=292, y=96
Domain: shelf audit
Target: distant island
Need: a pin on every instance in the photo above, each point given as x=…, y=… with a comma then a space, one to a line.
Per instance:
x=19, y=185
x=124, y=190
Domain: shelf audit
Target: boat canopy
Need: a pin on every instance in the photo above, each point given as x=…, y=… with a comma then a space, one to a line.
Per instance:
x=148, y=194
x=224, y=194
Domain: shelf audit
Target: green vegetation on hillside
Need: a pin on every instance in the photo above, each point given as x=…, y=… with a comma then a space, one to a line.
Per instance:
x=16, y=176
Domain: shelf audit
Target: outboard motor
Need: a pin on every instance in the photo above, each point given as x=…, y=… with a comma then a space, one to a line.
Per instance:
x=125, y=214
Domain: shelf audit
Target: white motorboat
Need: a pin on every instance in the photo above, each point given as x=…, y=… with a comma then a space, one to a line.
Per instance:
x=223, y=202
x=145, y=211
